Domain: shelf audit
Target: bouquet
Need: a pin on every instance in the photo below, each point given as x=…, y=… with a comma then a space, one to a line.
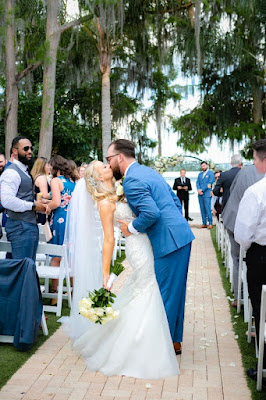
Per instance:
x=97, y=306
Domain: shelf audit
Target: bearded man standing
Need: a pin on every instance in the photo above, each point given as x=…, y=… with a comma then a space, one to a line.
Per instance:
x=17, y=198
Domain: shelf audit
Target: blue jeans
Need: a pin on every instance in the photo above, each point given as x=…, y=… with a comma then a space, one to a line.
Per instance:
x=24, y=238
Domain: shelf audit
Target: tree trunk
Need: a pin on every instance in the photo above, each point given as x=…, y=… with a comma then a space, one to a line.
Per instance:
x=106, y=112
x=11, y=119
x=257, y=94
x=159, y=129
x=105, y=59
x=49, y=79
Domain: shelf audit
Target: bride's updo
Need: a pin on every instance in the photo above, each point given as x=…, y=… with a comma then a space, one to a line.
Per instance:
x=97, y=188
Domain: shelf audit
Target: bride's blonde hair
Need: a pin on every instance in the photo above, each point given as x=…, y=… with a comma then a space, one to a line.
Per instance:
x=97, y=188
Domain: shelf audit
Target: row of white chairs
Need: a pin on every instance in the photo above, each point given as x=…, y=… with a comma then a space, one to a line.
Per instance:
x=223, y=243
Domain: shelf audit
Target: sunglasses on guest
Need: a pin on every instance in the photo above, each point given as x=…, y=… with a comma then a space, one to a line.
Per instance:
x=27, y=148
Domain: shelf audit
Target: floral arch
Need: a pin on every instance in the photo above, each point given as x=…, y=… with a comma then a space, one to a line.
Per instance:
x=161, y=164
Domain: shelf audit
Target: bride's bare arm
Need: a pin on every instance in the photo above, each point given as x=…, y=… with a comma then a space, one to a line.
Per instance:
x=107, y=209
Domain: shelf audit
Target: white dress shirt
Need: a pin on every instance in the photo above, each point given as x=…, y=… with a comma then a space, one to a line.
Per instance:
x=250, y=226
x=10, y=182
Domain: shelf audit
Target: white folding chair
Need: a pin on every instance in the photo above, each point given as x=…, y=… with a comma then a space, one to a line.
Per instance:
x=243, y=286
x=116, y=235
x=262, y=339
x=121, y=244
x=42, y=259
x=241, y=278
x=5, y=246
x=49, y=272
x=218, y=232
x=222, y=239
x=251, y=327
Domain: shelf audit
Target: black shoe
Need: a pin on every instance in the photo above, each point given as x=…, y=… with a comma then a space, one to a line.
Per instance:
x=190, y=219
x=252, y=374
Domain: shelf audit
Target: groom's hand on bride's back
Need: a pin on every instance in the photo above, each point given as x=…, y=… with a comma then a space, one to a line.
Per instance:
x=124, y=227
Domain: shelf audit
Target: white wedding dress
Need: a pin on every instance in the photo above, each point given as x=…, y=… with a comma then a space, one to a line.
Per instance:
x=137, y=344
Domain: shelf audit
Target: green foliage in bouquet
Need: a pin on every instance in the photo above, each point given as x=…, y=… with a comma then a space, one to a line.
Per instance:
x=101, y=298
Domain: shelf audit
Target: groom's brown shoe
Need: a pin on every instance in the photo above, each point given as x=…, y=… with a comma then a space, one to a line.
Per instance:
x=177, y=347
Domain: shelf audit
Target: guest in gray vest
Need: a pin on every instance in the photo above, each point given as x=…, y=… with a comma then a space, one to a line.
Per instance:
x=17, y=197
x=246, y=177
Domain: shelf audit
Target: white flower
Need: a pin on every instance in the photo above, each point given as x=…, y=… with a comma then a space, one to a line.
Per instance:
x=158, y=164
x=60, y=220
x=85, y=313
x=93, y=318
x=109, y=311
x=116, y=314
x=148, y=386
x=120, y=190
x=106, y=318
x=85, y=303
x=99, y=312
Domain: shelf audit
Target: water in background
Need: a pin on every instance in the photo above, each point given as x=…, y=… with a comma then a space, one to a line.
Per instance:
x=193, y=194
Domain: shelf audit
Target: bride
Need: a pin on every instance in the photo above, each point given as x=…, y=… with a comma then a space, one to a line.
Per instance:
x=137, y=344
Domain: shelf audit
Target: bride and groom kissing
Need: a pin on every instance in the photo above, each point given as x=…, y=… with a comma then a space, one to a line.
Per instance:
x=143, y=341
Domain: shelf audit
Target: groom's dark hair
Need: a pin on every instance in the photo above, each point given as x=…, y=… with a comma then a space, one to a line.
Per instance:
x=125, y=147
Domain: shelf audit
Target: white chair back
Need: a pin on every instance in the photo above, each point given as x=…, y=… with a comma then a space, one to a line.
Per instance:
x=51, y=272
x=262, y=339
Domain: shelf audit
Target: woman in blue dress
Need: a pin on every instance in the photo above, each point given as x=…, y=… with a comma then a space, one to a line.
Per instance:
x=62, y=186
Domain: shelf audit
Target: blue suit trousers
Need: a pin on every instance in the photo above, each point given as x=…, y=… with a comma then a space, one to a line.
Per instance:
x=24, y=238
x=205, y=209
x=171, y=274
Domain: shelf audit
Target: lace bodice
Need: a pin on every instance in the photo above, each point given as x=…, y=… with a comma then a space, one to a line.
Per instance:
x=124, y=212
x=139, y=254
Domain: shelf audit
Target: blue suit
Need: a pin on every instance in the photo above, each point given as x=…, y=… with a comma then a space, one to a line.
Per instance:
x=205, y=184
x=159, y=214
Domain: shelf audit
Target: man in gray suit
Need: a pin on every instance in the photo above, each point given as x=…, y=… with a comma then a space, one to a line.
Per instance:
x=246, y=177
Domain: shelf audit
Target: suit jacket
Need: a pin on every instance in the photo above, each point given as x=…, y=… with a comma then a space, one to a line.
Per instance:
x=182, y=193
x=205, y=183
x=224, y=182
x=245, y=178
x=20, y=302
x=158, y=210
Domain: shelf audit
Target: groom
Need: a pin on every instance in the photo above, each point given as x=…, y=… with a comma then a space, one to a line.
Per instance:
x=159, y=214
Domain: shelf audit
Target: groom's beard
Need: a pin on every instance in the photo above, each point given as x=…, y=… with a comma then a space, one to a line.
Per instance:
x=117, y=174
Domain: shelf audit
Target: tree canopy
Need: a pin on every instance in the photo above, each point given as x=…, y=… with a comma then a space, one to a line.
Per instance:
x=146, y=44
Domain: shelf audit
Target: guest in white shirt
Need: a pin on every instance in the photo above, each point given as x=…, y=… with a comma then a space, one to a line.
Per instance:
x=17, y=198
x=250, y=233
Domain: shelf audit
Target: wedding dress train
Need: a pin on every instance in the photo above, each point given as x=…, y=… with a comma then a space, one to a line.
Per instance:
x=137, y=344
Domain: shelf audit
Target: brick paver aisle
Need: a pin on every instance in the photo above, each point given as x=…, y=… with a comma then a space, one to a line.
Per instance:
x=210, y=364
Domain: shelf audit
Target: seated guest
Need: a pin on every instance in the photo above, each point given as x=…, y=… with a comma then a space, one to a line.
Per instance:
x=246, y=177
x=18, y=200
x=62, y=187
x=41, y=185
x=250, y=233
x=222, y=186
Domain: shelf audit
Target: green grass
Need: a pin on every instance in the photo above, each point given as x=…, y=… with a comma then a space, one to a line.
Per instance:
x=12, y=359
x=247, y=350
